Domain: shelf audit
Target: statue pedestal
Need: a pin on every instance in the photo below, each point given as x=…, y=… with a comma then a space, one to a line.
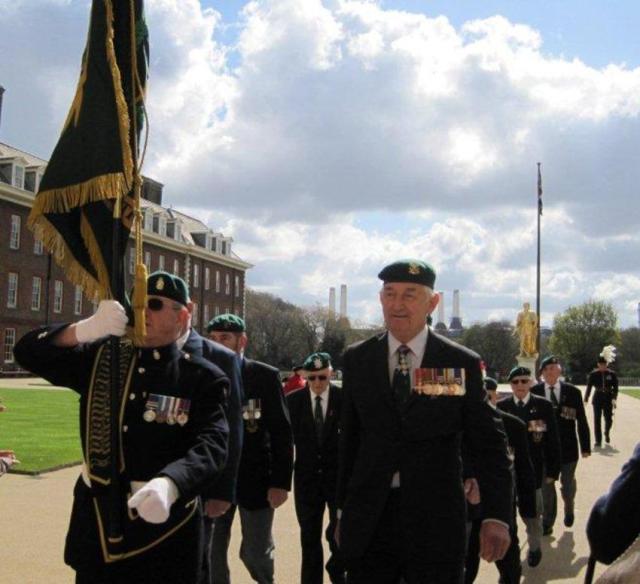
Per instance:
x=529, y=363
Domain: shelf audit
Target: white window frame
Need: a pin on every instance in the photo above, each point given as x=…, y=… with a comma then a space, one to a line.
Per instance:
x=36, y=293
x=14, y=236
x=217, y=280
x=77, y=300
x=176, y=267
x=38, y=246
x=227, y=284
x=194, y=314
x=58, y=296
x=147, y=260
x=9, y=344
x=207, y=278
x=196, y=275
x=161, y=262
x=12, y=289
x=205, y=314
x=237, y=285
x=18, y=176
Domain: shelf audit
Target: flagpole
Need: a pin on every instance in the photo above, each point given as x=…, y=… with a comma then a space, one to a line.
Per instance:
x=538, y=263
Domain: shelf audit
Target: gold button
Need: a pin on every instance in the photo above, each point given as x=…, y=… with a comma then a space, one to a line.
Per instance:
x=125, y=428
x=141, y=369
x=132, y=396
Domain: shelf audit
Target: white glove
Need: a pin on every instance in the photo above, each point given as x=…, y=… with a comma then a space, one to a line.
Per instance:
x=109, y=319
x=153, y=501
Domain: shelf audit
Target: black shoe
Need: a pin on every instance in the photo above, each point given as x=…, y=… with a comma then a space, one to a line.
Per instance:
x=547, y=529
x=597, y=445
x=568, y=519
x=534, y=557
x=607, y=439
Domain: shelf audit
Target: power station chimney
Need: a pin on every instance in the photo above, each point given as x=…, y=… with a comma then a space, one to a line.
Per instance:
x=332, y=301
x=343, y=301
x=440, y=322
x=456, y=321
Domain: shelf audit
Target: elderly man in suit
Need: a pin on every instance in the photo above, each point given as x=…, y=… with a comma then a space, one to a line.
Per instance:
x=264, y=476
x=544, y=447
x=409, y=398
x=572, y=424
x=315, y=413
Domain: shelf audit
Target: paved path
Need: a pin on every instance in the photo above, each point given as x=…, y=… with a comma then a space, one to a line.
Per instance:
x=34, y=513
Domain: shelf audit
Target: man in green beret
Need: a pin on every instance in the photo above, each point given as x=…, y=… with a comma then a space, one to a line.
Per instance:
x=410, y=396
x=173, y=439
x=315, y=414
x=264, y=476
x=544, y=447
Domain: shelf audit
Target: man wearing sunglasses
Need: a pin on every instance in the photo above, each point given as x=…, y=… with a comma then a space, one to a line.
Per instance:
x=572, y=425
x=266, y=461
x=410, y=396
x=173, y=439
x=544, y=447
x=315, y=415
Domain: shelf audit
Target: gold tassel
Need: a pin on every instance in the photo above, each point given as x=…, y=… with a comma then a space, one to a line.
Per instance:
x=139, y=303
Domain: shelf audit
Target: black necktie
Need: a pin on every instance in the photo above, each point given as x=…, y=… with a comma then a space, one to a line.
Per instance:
x=554, y=399
x=401, y=376
x=520, y=403
x=318, y=419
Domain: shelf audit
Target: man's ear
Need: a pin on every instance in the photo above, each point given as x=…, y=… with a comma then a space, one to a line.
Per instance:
x=190, y=307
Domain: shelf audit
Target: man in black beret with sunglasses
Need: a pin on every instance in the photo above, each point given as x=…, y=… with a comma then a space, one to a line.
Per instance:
x=410, y=397
x=173, y=439
x=315, y=417
x=544, y=447
x=264, y=476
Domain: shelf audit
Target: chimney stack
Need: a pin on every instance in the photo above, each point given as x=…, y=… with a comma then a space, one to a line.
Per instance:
x=343, y=301
x=332, y=301
x=441, y=315
x=456, y=321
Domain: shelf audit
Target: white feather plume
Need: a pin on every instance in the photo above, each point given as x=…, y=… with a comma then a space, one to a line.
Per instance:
x=609, y=354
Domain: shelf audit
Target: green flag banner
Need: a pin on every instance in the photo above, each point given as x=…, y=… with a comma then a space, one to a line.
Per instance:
x=90, y=177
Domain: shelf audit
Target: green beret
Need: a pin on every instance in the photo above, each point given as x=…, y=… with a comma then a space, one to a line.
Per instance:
x=317, y=361
x=414, y=271
x=490, y=384
x=168, y=286
x=549, y=360
x=519, y=372
x=227, y=322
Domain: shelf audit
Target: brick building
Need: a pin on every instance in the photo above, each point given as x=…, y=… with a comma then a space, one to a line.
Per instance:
x=34, y=290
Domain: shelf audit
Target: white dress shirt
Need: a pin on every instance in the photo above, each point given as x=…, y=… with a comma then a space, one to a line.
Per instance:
x=324, y=404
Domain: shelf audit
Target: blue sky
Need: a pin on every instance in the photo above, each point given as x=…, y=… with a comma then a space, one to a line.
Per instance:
x=329, y=137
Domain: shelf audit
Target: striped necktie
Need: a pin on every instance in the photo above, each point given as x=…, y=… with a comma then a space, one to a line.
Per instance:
x=401, y=375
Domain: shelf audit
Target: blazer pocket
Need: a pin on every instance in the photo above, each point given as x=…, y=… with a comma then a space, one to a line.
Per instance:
x=426, y=417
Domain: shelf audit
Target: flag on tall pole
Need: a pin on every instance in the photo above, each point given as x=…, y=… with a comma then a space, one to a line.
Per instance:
x=538, y=261
x=87, y=204
x=539, y=191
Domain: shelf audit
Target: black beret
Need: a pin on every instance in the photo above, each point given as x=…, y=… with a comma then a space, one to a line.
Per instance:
x=490, y=384
x=549, y=360
x=519, y=372
x=601, y=359
x=317, y=361
x=409, y=270
x=226, y=322
x=168, y=286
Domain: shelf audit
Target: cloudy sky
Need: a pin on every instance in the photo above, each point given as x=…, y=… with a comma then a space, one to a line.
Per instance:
x=329, y=137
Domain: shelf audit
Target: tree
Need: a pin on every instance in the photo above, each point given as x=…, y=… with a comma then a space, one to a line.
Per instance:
x=495, y=343
x=628, y=361
x=580, y=333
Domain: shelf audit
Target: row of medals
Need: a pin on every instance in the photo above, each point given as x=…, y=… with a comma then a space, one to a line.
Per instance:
x=166, y=408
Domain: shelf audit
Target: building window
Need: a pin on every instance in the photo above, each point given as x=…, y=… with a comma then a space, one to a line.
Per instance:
x=38, y=246
x=77, y=301
x=18, y=176
x=227, y=284
x=162, y=227
x=148, y=220
x=14, y=237
x=217, y=280
x=194, y=314
x=196, y=275
x=176, y=268
x=214, y=244
x=12, y=292
x=161, y=262
x=147, y=260
x=224, y=248
x=207, y=278
x=132, y=261
x=36, y=290
x=205, y=314
x=237, y=286
x=9, y=343
x=57, y=296
x=217, y=310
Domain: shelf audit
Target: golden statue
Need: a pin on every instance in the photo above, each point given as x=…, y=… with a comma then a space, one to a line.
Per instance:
x=527, y=330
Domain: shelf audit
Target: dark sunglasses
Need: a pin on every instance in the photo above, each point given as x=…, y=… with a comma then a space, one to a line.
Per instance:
x=516, y=381
x=318, y=377
x=155, y=304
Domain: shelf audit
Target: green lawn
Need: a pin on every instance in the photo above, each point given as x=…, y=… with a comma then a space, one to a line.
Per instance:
x=632, y=392
x=41, y=426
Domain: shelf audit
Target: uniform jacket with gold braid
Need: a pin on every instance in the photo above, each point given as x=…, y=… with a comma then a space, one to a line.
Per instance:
x=422, y=440
x=604, y=383
x=191, y=450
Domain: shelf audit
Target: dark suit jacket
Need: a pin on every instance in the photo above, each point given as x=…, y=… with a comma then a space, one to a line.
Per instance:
x=316, y=465
x=614, y=522
x=605, y=386
x=568, y=419
x=267, y=448
x=421, y=439
x=544, y=447
x=225, y=486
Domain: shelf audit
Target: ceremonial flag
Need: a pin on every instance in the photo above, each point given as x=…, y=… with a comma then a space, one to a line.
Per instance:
x=92, y=175
x=539, y=191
